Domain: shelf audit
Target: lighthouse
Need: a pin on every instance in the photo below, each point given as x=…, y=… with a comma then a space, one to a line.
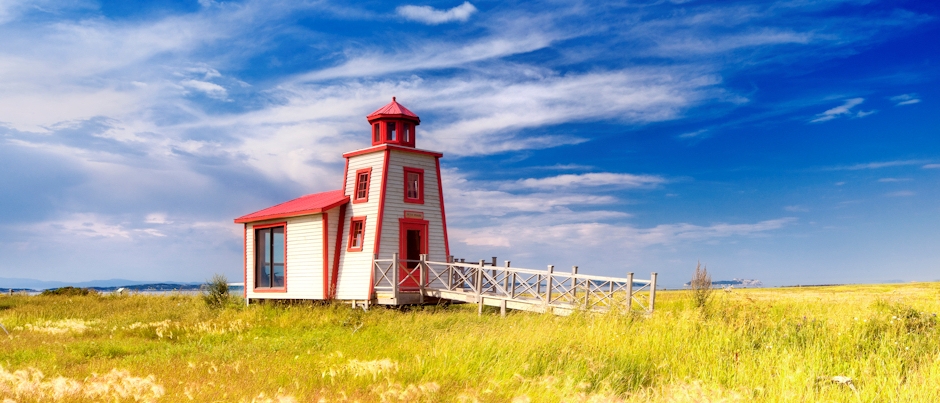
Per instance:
x=322, y=246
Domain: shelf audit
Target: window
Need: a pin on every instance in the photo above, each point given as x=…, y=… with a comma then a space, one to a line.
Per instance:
x=376, y=137
x=270, y=246
x=407, y=133
x=390, y=131
x=414, y=185
x=362, y=185
x=357, y=230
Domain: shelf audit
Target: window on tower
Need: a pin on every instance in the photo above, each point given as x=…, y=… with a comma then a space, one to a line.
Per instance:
x=376, y=137
x=414, y=185
x=361, y=194
x=406, y=137
x=390, y=131
x=357, y=228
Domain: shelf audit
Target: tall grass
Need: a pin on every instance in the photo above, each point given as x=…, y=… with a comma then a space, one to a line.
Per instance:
x=778, y=345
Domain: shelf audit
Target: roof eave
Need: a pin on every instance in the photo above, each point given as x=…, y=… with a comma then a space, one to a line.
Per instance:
x=320, y=210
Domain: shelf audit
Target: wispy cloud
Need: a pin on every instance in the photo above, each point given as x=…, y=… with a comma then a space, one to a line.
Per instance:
x=931, y=166
x=599, y=179
x=877, y=165
x=843, y=110
x=432, y=16
x=796, y=209
x=905, y=99
x=901, y=193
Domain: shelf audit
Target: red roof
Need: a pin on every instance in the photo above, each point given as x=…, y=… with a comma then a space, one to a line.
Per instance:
x=392, y=109
x=309, y=204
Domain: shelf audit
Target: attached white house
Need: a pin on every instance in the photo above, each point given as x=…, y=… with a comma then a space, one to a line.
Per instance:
x=321, y=246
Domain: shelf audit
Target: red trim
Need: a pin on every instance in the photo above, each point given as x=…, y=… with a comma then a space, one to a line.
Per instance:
x=293, y=213
x=385, y=147
x=352, y=227
x=378, y=227
x=420, y=198
x=345, y=172
x=339, y=241
x=403, y=225
x=440, y=194
x=326, y=253
x=269, y=225
x=245, y=261
x=355, y=193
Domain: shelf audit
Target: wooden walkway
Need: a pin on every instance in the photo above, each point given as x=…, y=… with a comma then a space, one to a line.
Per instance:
x=404, y=282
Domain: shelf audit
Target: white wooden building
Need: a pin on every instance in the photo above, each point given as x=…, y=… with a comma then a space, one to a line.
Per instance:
x=322, y=246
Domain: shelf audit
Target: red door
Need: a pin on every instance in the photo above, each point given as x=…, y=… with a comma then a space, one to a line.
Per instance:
x=414, y=243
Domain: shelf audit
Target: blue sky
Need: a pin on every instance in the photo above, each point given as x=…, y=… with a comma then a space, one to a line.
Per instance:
x=794, y=142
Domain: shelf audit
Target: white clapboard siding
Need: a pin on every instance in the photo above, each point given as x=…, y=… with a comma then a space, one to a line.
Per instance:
x=395, y=204
x=355, y=272
x=304, y=265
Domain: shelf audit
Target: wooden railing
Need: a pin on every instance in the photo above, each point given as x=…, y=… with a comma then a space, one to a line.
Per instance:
x=398, y=281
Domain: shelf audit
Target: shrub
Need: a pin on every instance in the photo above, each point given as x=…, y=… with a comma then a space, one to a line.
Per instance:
x=69, y=291
x=701, y=286
x=217, y=295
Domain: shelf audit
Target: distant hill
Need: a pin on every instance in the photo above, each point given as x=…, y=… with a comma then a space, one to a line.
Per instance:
x=33, y=284
x=738, y=282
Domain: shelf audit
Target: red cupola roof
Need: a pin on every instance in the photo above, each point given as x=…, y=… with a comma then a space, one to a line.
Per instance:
x=393, y=110
x=394, y=124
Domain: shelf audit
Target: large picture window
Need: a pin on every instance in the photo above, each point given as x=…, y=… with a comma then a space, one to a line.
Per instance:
x=357, y=231
x=362, y=185
x=414, y=185
x=270, y=245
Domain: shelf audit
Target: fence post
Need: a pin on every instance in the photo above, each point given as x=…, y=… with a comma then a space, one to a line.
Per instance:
x=574, y=284
x=548, y=288
x=422, y=276
x=479, y=287
x=506, y=279
x=512, y=289
x=630, y=292
x=652, y=291
x=395, y=274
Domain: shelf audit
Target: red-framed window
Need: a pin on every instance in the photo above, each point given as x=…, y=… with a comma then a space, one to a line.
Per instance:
x=361, y=194
x=391, y=132
x=376, y=133
x=414, y=185
x=357, y=233
x=406, y=133
x=271, y=257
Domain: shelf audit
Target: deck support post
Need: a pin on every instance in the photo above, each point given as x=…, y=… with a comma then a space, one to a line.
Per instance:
x=629, y=292
x=652, y=291
x=422, y=276
x=574, y=284
x=548, y=289
x=395, y=280
x=479, y=287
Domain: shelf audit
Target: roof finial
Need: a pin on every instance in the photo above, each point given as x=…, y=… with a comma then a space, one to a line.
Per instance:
x=393, y=99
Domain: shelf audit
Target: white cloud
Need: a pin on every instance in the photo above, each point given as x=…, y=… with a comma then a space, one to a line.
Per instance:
x=888, y=180
x=157, y=218
x=905, y=99
x=212, y=90
x=696, y=134
x=901, y=193
x=432, y=16
x=796, y=209
x=931, y=166
x=878, y=165
x=605, y=179
x=841, y=110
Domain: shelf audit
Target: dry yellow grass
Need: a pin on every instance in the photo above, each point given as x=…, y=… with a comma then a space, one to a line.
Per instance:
x=853, y=343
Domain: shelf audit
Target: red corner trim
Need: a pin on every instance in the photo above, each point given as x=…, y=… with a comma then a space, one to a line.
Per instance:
x=345, y=178
x=245, y=261
x=334, y=279
x=294, y=213
x=440, y=193
x=378, y=227
x=325, y=221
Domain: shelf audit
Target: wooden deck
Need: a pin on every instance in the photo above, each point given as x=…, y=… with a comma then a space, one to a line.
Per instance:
x=403, y=282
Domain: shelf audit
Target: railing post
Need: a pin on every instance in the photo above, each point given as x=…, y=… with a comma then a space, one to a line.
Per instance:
x=479, y=287
x=422, y=276
x=574, y=284
x=548, y=287
x=395, y=280
x=512, y=284
x=652, y=291
x=493, y=283
x=630, y=292
x=506, y=279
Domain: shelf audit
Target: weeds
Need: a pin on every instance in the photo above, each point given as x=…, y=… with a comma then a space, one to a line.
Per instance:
x=701, y=286
x=217, y=295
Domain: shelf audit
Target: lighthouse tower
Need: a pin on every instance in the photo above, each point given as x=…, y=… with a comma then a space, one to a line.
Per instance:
x=322, y=245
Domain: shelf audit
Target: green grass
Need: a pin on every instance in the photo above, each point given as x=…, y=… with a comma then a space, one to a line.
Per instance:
x=767, y=345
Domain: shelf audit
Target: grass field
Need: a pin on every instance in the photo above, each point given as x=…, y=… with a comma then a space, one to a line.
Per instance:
x=765, y=345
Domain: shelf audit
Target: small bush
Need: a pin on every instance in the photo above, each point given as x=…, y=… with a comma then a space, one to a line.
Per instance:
x=701, y=286
x=217, y=295
x=70, y=291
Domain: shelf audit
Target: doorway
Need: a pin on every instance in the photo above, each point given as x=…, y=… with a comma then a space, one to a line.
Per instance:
x=414, y=243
